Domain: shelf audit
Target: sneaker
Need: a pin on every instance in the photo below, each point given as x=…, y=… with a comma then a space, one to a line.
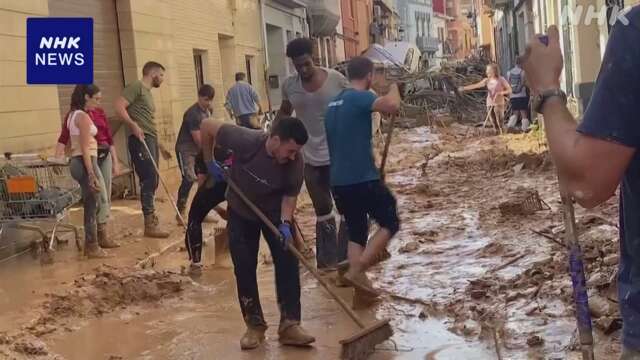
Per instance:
x=195, y=269
x=361, y=282
x=291, y=333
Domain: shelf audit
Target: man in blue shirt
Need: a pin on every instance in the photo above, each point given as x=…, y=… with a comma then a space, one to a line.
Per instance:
x=357, y=189
x=594, y=157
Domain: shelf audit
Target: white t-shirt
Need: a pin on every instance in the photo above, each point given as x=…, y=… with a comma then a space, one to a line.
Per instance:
x=515, y=77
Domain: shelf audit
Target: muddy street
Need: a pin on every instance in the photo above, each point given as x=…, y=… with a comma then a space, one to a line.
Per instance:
x=474, y=273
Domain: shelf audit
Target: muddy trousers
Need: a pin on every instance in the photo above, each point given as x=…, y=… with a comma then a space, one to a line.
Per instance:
x=205, y=200
x=330, y=248
x=187, y=163
x=90, y=199
x=143, y=166
x=244, y=241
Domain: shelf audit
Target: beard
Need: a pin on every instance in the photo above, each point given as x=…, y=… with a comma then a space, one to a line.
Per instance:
x=156, y=82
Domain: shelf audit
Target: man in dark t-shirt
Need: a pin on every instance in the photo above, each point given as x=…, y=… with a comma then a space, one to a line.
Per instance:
x=268, y=170
x=188, y=142
x=593, y=158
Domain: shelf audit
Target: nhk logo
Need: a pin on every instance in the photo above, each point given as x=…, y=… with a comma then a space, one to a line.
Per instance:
x=59, y=50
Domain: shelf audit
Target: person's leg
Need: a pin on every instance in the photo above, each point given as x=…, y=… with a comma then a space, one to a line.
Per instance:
x=186, y=163
x=90, y=207
x=383, y=209
x=205, y=200
x=318, y=185
x=498, y=111
x=244, y=239
x=525, y=120
x=287, y=275
x=104, y=206
x=513, y=120
x=148, y=177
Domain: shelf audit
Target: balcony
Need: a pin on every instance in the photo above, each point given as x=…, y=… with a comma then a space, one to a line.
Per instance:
x=427, y=43
x=324, y=16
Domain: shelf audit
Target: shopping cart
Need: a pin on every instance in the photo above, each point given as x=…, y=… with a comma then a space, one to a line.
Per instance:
x=39, y=191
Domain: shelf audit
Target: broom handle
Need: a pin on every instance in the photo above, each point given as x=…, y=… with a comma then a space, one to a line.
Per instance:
x=385, y=152
x=576, y=268
x=297, y=254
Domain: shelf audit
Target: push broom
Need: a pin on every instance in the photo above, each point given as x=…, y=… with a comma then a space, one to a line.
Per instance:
x=359, y=345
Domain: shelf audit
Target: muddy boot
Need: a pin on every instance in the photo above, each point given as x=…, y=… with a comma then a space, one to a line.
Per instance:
x=343, y=240
x=152, y=227
x=103, y=238
x=195, y=269
x=326, y=243
x=361, y=282
x=342, y=268
x=291, y=333
x=253, y=337
x=93, y=251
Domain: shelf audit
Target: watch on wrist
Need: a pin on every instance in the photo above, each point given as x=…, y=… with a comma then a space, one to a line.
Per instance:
x=540, y=99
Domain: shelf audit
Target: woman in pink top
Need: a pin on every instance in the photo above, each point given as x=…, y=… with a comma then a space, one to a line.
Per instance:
x=498, y=89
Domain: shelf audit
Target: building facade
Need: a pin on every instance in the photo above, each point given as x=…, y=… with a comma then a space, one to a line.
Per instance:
x=326, y=29
x=194, y=45
x=460, y=32
x=419, y=26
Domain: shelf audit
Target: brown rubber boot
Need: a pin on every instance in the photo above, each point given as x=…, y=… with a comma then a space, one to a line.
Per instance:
x=253, y=337
x=93, y=251
x=103, y=238
x=291, y=333
x=152, y=227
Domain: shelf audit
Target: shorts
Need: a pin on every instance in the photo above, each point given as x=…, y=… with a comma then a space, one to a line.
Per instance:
x=520, y=104
x=358, y=202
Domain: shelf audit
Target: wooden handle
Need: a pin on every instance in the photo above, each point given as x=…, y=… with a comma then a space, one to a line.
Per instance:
x=385, y=152
x=296, y=253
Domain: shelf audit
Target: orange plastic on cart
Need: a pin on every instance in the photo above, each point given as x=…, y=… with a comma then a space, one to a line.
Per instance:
x=21, y=184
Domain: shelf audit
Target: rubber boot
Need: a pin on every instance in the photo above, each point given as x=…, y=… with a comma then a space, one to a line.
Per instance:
x=525, y=125
x=343, y=241
x=103, y=238
x=253, y=337
x=513, y=120
x=326, y=244
x=291, y=333
x=152, y=227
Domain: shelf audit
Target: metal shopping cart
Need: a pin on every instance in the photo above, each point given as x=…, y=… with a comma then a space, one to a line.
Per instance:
x=39, y=191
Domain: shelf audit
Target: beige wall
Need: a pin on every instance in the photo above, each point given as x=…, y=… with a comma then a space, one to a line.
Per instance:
x=29, y=115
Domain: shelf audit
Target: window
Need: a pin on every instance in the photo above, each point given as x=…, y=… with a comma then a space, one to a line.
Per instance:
x=248, y=64
x=199, y=68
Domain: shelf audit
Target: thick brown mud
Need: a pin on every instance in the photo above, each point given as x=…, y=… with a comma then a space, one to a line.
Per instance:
x=466, y=280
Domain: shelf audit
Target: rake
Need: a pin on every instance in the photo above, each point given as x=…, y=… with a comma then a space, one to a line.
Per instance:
x=359, y=345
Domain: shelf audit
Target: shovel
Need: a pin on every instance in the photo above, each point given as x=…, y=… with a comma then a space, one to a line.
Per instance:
x=360, y=344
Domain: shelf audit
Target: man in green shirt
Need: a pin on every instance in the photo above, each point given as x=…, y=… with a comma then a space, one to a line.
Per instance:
x=137, y=109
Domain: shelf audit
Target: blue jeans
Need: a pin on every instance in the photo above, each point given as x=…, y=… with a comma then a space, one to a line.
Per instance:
x=90, y=199
x=143, y=167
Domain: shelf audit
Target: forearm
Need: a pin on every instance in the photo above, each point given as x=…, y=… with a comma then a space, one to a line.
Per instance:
x=207, y=143
x=288, y=207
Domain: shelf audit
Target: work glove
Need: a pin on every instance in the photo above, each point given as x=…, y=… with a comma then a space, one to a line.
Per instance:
x=214, y=169
x=285, y=234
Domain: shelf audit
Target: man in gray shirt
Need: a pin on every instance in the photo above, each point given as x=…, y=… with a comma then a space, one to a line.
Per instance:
x=188, y=143
x=308, y=93
x=242, y=100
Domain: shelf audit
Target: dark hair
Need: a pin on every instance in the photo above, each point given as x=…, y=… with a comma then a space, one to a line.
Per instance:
x=240, y=76
x=299, y=47
x=290, y=128
x=359, y=67
x=207, y=91
x=150, y=65
x=77, y=97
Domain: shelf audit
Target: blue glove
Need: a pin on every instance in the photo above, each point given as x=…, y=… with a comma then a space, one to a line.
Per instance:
x=285, y=234
x=215, y=170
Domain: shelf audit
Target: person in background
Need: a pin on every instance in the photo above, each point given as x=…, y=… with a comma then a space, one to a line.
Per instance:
x=519, y=97
x=84, y=162
x=497, y=89
x=107, y=162
x=357, y=187
x=600, y=154
x=308, y=93
x=137, y=109
x=188, y=143
x=242, y=101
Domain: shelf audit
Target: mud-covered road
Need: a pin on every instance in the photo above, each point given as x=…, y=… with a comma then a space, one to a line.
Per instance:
x=473, y=274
